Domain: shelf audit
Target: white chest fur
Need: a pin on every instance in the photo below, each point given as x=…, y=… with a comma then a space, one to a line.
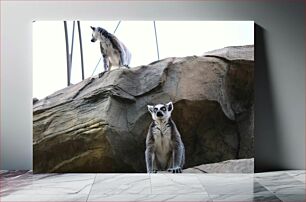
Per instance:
x=162, y=139
x=107, y=47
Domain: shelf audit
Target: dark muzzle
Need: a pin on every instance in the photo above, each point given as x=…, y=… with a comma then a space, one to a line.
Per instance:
x=159, y=114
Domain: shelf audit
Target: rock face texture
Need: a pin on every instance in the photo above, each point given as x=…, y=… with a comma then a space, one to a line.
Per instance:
x=230, y=166
x=100, y=124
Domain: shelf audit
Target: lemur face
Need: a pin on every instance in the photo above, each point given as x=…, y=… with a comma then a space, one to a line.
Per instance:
x=161, y=111
x=96, y=33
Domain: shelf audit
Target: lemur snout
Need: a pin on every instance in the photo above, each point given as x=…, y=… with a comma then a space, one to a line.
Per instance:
x=92, y=40
x=159, y=114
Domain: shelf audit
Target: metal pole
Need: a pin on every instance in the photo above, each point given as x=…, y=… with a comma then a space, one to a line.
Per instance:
x=67, y=53
x=81, y=49
x=71, y=50
x=156, y=40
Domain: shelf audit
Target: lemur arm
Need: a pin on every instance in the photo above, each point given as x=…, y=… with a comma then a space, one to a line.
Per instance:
x=149, y=153
x=178, y=151
x=149, y=159
x=105, y=59
x=101, y=48
x=106, y=63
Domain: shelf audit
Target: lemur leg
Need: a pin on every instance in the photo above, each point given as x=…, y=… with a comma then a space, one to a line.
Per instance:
x=110, y=66
x=177, y=157
x=154, y=165
x=170, y=162
x=183, y=159
x=121, y=59
x=106, y=64
x=150, y=160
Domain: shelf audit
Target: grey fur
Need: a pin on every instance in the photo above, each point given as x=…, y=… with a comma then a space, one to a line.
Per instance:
x=164, y=146
x=114, y=52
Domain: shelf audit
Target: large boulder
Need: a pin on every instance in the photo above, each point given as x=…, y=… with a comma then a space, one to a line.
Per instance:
x=100, y=124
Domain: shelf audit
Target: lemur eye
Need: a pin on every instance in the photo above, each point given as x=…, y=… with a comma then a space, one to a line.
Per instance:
x=155, y=109
x=163, y=108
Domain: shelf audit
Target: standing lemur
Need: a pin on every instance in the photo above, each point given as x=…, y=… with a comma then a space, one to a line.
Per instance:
x=164, y=146
x=114, y=52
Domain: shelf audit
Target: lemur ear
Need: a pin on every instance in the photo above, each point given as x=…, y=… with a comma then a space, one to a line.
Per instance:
x=93, y=28
x=150, y=108
x=170, y=106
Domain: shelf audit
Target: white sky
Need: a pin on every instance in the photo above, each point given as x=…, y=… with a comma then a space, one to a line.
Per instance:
x=175, y=39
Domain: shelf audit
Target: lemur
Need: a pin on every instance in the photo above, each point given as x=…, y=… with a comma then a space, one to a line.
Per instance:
x=164, y=146
x=114, y=52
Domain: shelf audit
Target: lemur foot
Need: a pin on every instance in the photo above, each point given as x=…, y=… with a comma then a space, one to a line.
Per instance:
x=153, y=171
x=101, y=74
x=175, y=170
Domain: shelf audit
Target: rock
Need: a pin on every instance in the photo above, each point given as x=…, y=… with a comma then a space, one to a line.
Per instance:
x=100, y=124
x=230, y=166
x=234, y=53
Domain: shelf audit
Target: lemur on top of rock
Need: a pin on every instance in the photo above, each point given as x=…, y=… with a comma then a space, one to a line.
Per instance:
x=114, y=52
x=164, y=147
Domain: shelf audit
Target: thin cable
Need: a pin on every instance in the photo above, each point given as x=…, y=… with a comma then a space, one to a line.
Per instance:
x=96, y=66
x=156, y=41
x=117, y=26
